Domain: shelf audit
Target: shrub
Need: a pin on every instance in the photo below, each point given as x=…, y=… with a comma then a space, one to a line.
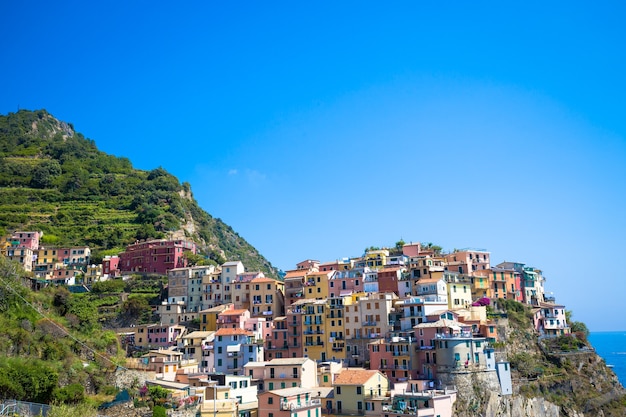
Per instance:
x=159, y=411
x=71, y=394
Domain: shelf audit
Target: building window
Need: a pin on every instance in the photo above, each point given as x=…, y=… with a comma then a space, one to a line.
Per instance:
x=270, y=400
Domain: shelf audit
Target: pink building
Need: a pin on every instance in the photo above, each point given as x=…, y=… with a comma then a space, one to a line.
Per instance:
x=290, y=402
x=261, y=327
x=396, y=357
x=346, y=282
x=110, y=266
x=550, y=320
x=411, y=249
x=25, y=240
x=158, y=335
x=233, y=319
x=468, y=261
x=155, y=256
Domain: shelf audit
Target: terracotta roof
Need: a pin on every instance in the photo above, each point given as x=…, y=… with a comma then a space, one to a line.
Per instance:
x=231, y=332
x=354, y=376
x=390, y=268
x=237, y=312
x=297, y=273
x=429, y=280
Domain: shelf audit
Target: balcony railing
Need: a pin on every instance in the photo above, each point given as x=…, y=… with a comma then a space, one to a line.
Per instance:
x=316, y=402
x=452, y=336
x=369, y=323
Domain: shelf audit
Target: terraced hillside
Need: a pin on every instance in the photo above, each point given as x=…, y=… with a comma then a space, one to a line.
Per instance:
x=55, y=180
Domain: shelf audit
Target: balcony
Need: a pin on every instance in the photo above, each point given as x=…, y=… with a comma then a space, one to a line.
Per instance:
x=234, y=354
x=554, y=326
x=370, y=323
x=453, y=336
x=316, y=402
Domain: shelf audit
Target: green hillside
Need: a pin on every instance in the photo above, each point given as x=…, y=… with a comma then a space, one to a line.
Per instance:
x=55, y=180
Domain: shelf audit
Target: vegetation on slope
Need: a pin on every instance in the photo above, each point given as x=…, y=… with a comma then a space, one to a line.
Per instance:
x=53, y=348
x=565, y=370
x=55, y=180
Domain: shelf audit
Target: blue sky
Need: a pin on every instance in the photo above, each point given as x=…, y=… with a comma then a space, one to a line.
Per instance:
x=316, y=130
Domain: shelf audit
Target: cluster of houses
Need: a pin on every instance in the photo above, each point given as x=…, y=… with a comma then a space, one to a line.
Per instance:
x=385, y=334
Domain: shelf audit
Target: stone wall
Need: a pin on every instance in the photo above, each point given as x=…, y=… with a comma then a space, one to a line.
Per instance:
x=128, y=378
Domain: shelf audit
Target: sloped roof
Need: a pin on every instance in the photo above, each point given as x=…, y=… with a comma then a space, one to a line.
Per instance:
x=354, y=376
x=198, y=334
x=231, y=332
x=217, y=309
x=237, y=312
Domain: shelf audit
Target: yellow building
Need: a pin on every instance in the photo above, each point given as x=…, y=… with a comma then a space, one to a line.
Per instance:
x=376, y=259
x=213, y=290
x=316, y=284
x=459, y=288
x=208, y=317
x=356, y=390
x=267, y=298
x=481, y=287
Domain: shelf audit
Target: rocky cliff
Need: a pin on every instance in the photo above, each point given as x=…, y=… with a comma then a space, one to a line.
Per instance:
x=552, y=377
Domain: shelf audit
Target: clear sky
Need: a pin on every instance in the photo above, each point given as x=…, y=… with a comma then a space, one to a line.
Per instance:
x=317, y=130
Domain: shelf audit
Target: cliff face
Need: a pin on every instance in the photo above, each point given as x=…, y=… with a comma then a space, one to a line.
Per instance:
x=552, y=377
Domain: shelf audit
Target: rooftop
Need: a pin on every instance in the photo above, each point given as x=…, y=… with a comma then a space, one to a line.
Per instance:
x=353, y=376
x=231, y=332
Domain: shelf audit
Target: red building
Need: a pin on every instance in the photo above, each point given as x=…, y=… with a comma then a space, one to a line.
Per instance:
x=155, y=256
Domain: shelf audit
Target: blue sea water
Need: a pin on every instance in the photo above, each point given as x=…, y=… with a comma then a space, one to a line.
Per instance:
x=611, y=346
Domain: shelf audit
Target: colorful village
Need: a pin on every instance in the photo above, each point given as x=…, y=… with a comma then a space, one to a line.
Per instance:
x=383, y=334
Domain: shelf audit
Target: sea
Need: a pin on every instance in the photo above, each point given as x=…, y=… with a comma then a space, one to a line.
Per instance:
x=611, y=346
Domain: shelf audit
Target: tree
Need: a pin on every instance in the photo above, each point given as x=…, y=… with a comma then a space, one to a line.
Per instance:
x=45, y=173
x=71, y=394
x=158, y=392
x=579, y=328
x=136, y=308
